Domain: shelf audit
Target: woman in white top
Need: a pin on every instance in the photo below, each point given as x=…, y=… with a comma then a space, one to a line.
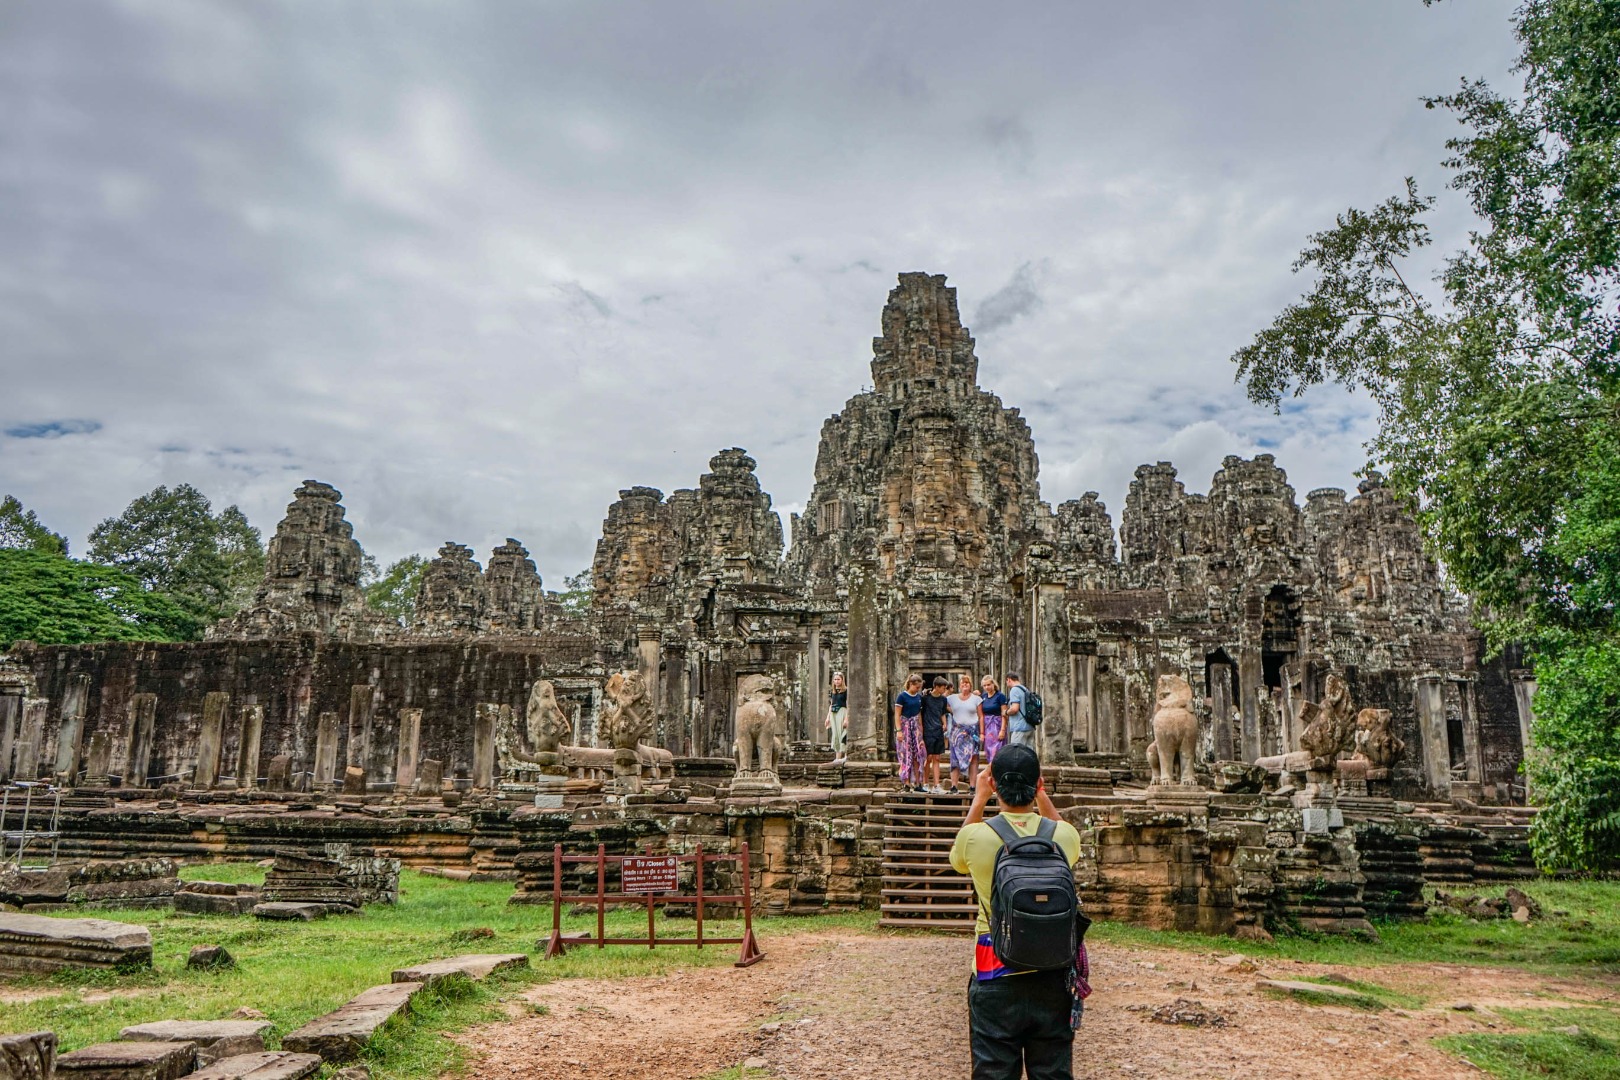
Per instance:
x=967, y=731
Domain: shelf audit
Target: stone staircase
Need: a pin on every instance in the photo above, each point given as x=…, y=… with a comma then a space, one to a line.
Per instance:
x=920, y=890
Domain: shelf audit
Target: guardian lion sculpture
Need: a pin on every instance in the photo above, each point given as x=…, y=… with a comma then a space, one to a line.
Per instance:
x=759, y=726
x=1175, y=732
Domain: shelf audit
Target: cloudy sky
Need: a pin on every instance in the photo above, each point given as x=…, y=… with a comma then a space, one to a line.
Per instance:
x=481, y=264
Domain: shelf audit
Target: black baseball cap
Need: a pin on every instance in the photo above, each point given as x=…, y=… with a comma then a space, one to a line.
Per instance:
x=1016, y=761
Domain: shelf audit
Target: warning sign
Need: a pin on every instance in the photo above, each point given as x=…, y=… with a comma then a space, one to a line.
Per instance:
x=648, y=875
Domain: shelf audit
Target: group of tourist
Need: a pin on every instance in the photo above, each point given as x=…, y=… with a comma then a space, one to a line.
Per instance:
x=930, y=727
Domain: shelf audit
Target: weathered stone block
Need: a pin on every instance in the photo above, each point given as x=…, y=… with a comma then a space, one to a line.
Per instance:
x=38, y=943
x=339, y=1036
x=214, y=1039
x=28, y=1057
x=475, y=966
x=266, y=1065
x=128, y=1061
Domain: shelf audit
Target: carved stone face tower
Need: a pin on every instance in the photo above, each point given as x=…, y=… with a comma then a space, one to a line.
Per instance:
x=925, y=505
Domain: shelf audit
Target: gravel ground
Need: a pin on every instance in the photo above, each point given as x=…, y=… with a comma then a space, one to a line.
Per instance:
x=865, y=1006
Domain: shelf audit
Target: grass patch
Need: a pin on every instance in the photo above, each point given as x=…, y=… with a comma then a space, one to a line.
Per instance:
x=296, y=971
x=1584, y=941
x=1544, y=1049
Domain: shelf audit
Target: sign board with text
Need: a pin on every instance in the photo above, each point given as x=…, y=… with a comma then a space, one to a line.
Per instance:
x=651, y=875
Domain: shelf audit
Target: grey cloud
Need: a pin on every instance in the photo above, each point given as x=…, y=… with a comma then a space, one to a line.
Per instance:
x=1019, y=297
x=409, y=250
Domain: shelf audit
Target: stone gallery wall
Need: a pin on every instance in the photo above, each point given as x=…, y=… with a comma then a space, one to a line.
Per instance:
x=155, y=699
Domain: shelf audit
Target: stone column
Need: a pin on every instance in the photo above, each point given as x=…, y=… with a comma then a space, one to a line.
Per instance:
x=483, y=767
x=326, y=747
x=211, y=739
x=1056, y=672
x=648, y=653
x=410, y=746
x=247, y=754
x=362, y=700
x=673, y=713
x=866, y=696
x=1220, y=709
x=1288, y=722
x=1085, y=701
x=11, y=708
x=142, y=731
x=32, y=737
x=1431, y=716
x=1473, y=761
x=1251, y=684
x=97, y=759
x=70, y=737
x=815, y=686
x=1524, y=696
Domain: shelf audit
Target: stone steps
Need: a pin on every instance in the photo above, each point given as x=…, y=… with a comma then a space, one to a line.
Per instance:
x=919, y=888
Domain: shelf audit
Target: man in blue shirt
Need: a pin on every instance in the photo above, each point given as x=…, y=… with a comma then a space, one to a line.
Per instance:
x=1019, y=733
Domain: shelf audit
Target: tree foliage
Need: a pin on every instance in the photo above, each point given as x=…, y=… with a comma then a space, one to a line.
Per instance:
x=54, y=600
x=171, y=540
x=1499, y=395
x=21, y=528
x=576, y=594
x=393, y=591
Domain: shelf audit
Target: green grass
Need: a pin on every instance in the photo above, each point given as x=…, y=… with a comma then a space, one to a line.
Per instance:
x=294, y=972
x=1543, y=1050
x=1585, y=941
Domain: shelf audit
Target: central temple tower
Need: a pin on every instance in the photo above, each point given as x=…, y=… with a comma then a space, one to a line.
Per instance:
x=924, y=509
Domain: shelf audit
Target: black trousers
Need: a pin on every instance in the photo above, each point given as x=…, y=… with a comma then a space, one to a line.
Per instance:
x=1020, y=1026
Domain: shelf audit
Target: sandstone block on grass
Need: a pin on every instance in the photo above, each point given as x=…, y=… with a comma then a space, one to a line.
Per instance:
x=267, y=1065
x=285, y=911
x=128, y=1061
x=475, y=966
x=214, y=1039
x=39, y=943
x=28, y=1057
x=339, y=1036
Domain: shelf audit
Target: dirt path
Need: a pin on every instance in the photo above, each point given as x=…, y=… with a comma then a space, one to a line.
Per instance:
x=856, y=1006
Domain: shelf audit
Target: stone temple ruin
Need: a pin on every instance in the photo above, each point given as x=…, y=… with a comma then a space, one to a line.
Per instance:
x=1346, y=726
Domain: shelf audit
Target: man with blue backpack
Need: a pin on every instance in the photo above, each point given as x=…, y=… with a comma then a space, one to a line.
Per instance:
x=1028, y=979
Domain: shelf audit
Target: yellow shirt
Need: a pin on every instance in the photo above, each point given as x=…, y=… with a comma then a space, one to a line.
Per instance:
x=976, y=846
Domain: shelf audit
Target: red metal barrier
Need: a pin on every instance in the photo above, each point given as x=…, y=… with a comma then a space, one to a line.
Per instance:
x=651, y=874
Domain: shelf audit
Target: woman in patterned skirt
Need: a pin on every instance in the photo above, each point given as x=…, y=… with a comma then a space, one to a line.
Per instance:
x=967, y=731
x=995, y=725
x=908, y=740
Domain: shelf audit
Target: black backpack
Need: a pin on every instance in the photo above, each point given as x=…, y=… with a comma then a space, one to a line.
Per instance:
x=1031, y=709
x=1034, y=911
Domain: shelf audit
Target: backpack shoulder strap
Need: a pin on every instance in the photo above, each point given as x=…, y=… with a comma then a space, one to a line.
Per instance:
x=1047, y=829
x=1002, y=828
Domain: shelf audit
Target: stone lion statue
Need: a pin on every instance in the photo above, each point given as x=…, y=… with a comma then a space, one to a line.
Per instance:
x=759, y=725
x=1375, y=739
x=1330, y=725
x=627, y=715
x=1175, y=732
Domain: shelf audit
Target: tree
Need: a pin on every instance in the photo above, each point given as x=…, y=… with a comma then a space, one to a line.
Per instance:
x=393, y=591
x=54, y=600
x=21, y=528
x=578, y=590
x=1499, y=397
x=172, y=542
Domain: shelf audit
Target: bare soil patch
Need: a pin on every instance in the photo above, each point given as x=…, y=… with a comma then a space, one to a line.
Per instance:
x=861, y=1006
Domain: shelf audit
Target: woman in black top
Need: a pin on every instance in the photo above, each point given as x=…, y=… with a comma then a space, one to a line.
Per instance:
x=836, y=709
